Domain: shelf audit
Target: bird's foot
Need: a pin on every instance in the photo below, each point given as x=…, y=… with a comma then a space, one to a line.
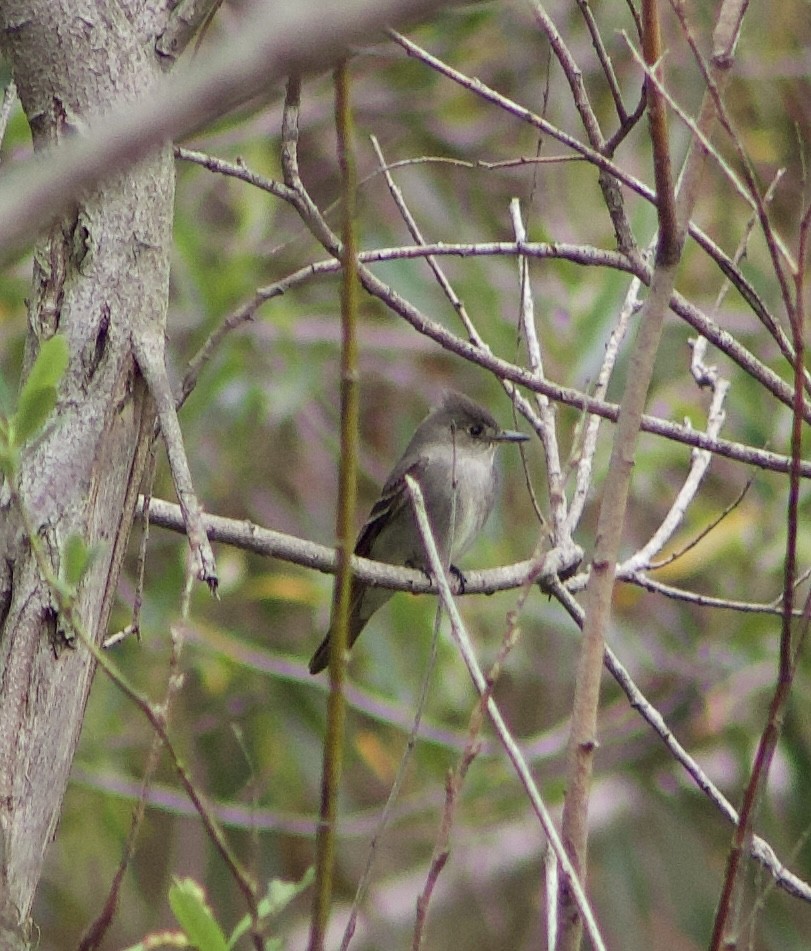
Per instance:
x=456, y=572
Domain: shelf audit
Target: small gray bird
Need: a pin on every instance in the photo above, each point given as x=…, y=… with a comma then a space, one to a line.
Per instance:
x=453, y=452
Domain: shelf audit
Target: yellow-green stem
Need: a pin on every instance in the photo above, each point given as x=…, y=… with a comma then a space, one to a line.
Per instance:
x=347, y=489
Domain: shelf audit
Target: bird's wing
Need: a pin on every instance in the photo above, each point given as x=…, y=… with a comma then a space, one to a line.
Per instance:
x=393, y=497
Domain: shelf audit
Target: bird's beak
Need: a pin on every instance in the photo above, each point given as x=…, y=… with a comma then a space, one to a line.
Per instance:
x=510, y=435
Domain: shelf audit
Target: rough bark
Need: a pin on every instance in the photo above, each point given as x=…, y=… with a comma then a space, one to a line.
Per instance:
x=100, y=278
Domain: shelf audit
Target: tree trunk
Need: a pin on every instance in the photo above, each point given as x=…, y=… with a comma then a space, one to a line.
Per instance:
x=99, y=275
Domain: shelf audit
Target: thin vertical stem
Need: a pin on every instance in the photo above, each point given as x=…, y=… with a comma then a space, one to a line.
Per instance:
x=345, y=523
x=727, y=915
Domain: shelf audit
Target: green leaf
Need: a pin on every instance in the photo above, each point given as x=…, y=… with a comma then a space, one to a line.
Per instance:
x=279, y=895
x=50, y=364
x=6, y=402
x=9, y=456
x=75, y=559
x=35, y=407
x=188, y=902
x=9, y=460
x=38, y=395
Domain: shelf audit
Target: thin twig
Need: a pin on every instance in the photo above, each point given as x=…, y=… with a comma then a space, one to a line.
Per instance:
x=578, y=254
x=502, y=731
x=416, y=234
x=643, y=580
x=613, y=197
x=600, y=160
x=473, y=746
x=699, y=466
x=396, y=786
x=585, y=461
x=149, y=352
x=723, y=48
x=768, y=321
x=9, y=98
x=546, y=410
x=605, y=61
x=761, y=851
x=134, y=627
x=94, y=934
x=729, y=905
x=707, y=530
x=295, y=195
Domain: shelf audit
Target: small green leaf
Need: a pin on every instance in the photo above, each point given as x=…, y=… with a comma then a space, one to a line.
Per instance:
x=188, y=902
x=9, y=455
x=50, y=364
x=65, y=593
x=38, y=395
x=6, y=402
x=279, y=895
x=75, y=559
x=35, y=407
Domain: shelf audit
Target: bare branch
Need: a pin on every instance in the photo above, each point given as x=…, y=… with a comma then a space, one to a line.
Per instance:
x=185, y=20
x=510, y=747
x=761, y=851
x=546, y=427
x=148, y=349
x=9, y=99
x=274, y=42
x=698, y=469
x=416, y=234
x=508, y=371
x=263, y=541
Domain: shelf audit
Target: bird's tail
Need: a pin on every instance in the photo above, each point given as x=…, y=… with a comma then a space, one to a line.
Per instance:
x=320, y=658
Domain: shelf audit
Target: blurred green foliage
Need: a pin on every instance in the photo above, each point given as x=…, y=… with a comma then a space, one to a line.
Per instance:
x=261, y=432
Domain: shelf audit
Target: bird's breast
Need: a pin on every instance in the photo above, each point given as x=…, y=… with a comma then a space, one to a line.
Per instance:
x=459, y=490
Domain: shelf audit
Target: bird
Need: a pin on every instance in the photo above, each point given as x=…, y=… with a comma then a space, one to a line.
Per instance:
x=452, y=456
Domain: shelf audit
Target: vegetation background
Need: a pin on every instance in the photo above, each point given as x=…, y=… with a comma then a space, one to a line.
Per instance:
x=261, y=431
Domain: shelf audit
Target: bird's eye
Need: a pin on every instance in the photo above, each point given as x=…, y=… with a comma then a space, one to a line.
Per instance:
x=475, y=430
